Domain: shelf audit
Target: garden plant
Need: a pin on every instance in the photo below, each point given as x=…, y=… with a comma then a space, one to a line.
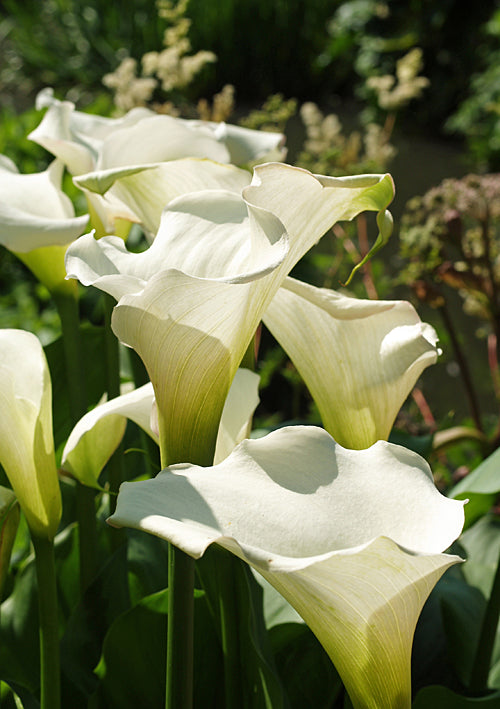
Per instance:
x=172, y=535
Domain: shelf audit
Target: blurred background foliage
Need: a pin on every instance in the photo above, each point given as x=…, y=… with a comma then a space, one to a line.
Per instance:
x=308, y=49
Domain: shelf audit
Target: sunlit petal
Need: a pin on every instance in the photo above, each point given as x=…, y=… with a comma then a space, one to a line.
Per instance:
x=352, y=539
x=359, y=358
x=26, y=442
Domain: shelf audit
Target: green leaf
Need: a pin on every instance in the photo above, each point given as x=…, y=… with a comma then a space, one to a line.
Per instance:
x=309, y=677
x=419, y=444
x=133, y=661
x=462, y=608
x=485, y=479
x=104, y=600
x=482, y=545
x=95, y=378
x=443, y=698
x=260, y=684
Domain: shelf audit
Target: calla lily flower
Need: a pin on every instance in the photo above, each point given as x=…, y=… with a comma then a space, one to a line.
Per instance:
x=147, y=189
x=85, y=142
x=37, y=220
x=352, y=539
x=98, y=434
x=26, y=440
x=359, y=358
x=191, y=303
x=94, y=144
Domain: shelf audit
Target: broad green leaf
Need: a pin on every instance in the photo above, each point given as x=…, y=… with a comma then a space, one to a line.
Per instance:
x=484, y=480
x=132, y=665
x=444, y=698
x=92, y=339
x=227, y=580
x=309, y=677
x=482, y=545
x=462, y=608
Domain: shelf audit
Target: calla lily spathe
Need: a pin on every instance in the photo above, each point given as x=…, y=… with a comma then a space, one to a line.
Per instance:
x=147, y=189
x=85, y=142
x=352, y=539
x=359, y=358
x=191, y=303
x=26, y=440
x=37, y=220
x=90, y=144
x=97, y=435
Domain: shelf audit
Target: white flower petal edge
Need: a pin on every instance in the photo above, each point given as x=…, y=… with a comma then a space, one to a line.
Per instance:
x=352, y=539
x=34, y=211
x=97, y=435
x=86, y=142
x=26, y=441
x=359, y=358
x=236, y=420
x=146, y=190
x=74, y=136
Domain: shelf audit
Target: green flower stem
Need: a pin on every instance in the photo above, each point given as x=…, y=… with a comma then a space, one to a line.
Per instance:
x=482, y=660
x=180, y=647
x=179, y=686
x=218, y=574
x=67, y=307
x=48, y=622
x=115, y=464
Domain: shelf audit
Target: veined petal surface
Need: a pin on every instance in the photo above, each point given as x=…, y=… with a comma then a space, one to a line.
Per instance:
x=359, y=358
x=352, y=539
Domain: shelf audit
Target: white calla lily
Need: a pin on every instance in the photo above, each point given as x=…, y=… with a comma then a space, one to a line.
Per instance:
x=359, y=358
x=147, y=189
x=92, y=144
x=37, y=220
x=191, y=303
x=97, y=435
x=352, y=539
x=85, y=142
x=236, y=420
x=76, y=137
x=26, y=439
